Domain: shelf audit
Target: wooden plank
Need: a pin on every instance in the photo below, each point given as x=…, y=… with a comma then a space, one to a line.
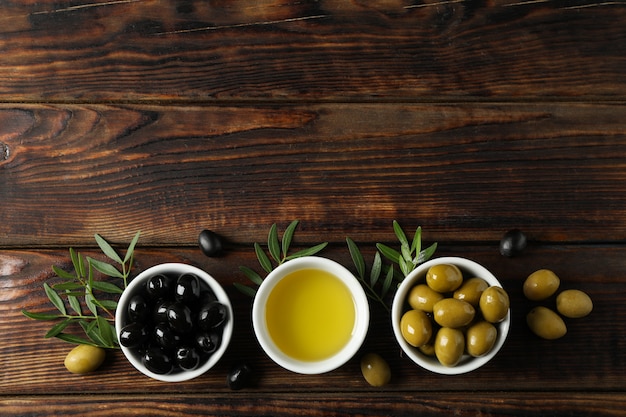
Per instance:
x=325, y=404
x=395, y=50
x=466, y=172
x=590, y=358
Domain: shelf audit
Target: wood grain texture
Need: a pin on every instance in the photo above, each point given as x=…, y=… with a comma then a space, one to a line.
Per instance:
x=325, y=404
x=467, y=172
x=325, y=50
x=590, y=358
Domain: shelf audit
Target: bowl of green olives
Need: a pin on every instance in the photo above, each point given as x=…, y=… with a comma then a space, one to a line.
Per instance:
x=451, y=315
x=174, y=322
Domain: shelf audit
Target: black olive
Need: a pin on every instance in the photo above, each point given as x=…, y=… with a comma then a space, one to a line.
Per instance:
x=179, y=318
x=512, y=243
x=188, y=289
x=208, y=342
x=159, y=286
x=165, y=337
x=157, y=361
x=187, y=358
x=159, y=313
x=239, y=376
x=133, y=335
x=212, y=315
x=138, y=310
x=210, y=243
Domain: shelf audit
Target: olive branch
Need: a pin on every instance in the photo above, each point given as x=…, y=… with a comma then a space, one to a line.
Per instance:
x=98, y=322
x=278, y=254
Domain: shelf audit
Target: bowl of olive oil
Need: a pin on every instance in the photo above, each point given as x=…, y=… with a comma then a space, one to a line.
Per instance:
x=310, y=315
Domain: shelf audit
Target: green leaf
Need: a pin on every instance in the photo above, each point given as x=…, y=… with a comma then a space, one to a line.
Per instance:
x=55, y=299
x=107, y=249
x=63, y=273
x=388, y=252
x=106, y=287
x=416, y=246
x=263, y=259
x=40, y=316
x=406, y=254
x=376, y=268
x=131, y=247
x=245, y=289
x=105, y=268
x=108, y=304
x=75, y=304
x=75, y=261
x=65, y=286
x=251, y=274
x=387, y=282
x=288, y=235
x=81, y=266
x=357, y=257
x=106, y=332
x=307, y=252
x=74, y=339
x=273, y=244
x=400, y=234
x=427, y=253
x=91, y=305
x=57, y=328
x=404, y=267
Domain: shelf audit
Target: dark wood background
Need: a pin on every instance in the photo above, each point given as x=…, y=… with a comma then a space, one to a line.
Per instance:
x=468, y=118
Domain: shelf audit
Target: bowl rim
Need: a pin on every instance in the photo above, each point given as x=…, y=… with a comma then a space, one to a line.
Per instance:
x=467, y=363
x=361, y=325
x=178, y=269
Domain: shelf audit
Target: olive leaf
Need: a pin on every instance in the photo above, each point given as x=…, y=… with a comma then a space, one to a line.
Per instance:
x=278, y=249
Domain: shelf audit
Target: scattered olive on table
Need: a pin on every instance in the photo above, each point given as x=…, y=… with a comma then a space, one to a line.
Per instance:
x=84, y=358
x=513, y=243
x=574, y=304
x=541, y=284
x=545, y=322
x=375, y=370
x=175, y=323
x=210, y=243
x=240, y=376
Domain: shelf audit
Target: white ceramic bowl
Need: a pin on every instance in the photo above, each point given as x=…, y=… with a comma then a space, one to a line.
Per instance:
x=418, y=276
x=174, y=269
x=359, y=330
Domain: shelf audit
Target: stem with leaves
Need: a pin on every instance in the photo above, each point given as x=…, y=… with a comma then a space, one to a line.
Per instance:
x=98, y=325
x=410, y=255
x=370, y=282
x=278, y=254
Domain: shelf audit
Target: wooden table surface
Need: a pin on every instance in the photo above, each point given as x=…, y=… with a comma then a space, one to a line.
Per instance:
x=468, y=118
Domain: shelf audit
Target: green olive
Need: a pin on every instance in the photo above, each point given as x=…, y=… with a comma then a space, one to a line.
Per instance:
x=453, y=313
x=84, y=358
x=480, y=338
x=375, y=370
x=545, y=323
x=494, y=304
x=541, y=284
x=422, y=297
x=416, y=327
x=449, y=346
x=574, y=304
x=444, y=277
x=471, y=290
x=428, y=349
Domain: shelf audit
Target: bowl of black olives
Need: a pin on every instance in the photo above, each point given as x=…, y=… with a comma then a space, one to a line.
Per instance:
x=174, y=322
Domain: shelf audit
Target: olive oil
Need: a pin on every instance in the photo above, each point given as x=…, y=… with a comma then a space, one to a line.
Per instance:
x=310, y=315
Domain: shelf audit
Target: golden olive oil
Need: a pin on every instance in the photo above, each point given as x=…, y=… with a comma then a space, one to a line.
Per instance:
x=310, y=315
